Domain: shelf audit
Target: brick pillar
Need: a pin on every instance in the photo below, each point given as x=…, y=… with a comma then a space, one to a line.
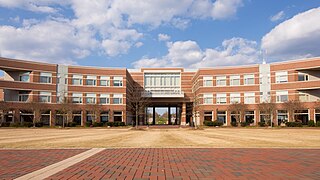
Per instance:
x=111, y=116
x=312, y=115
x=97, y=117
x=16, y=115
x=52, y=118
x=69, y=117
x=183, y=114
x=256, y=117
x=83, y=118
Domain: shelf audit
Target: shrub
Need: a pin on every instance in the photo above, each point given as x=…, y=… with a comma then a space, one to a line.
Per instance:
x=217, y=123
x=97, y=124
x=269, y=123
x=38, y=124
x=244, y=124
x=233, y=123
x=16, y=124
x=88, y=124
x=208, y=123
x=71, y=124
x=293, y=124
x=111, y=124
x=262, y=124
x=311, y=123
x=318, y=124
x=5, y=124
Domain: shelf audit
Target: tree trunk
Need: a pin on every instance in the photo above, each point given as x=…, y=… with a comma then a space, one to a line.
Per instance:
x=137, y=119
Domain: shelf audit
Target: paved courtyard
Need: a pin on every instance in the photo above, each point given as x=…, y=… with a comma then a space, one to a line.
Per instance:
x=167, y=163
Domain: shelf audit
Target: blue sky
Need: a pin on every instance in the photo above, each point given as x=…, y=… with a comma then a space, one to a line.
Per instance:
x=159, y=33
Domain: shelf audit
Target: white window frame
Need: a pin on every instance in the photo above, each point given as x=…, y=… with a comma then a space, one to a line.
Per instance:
x=45, y=95
x=106, y=79
x=23, y=96
x=106, y=97
x=93, y=79
x=207, y=98
x=207, y=81
x=248, y=78
x=221, y=98
x=280, y=95
x=91, y=98
x=118, y=79
x=221, y=80
x=281, y=77
x=249, y=98
x=305, y=76
x=235, y=98
x=233, y=78
x=117, y=96
x=25, y=74
x=45, y=76
x=304, y=97
x=77, y=96
x=75, y=78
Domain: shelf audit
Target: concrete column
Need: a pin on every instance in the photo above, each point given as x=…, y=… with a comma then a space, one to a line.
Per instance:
x=52, y=118
x=183, y=114
x=124, y=116
x=213, y=114
x=228, y=118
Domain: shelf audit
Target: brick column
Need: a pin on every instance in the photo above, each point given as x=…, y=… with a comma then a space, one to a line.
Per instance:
x=16, y=115
x=183, y=114
x=228, y=118
x=312, y=115
x=111, y=116
x=83, y=117
x=124, y=117
x=256, y=117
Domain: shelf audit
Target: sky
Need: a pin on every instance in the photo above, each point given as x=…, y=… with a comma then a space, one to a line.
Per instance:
x=159, y=33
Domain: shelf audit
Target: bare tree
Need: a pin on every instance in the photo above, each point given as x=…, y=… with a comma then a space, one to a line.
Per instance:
x=269, y=110
x=4, y=108
x=64, y=108
x=36, y=108
x=239, y=109
x=137, y=101
x=95, y=110
x=292, y=106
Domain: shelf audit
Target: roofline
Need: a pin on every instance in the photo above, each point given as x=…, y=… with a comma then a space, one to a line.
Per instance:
x=28, y=61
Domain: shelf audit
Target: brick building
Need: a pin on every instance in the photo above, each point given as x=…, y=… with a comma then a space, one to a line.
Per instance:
x=176, y=95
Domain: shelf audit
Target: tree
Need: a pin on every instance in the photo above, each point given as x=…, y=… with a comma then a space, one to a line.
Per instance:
x=95, y=110
x=36, y=108
x=4, y=108
x=269, y=110
x=292, y=106
x=238, y=109
x=64, y=108
x=137, y=101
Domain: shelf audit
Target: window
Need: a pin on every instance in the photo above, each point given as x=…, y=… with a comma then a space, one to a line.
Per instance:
x=282, y=96
x=235, y=98
x=249, y=98
x=303, y=97
x=23, y=96
x=303, y=77
x=24, y=77
x=221, y=116
x=235, y=80
x=207, y=98
x=91, y=116
x=249, y=117
x=117, y=116
x=265, y=98
x=221, y=80
x=77, y=98
x=104, y=81
x=117, y=99
x=77, y=79
x=91, y=98
x=248, y=79
x=104, y=99
x=45, y=77
x=91, y=80
x=45, y=97
x=207, y=81
x=208, y=115
x=221, y=98
x=117, y=81
x=104, y=116
x=282, y=116
x=281, y=77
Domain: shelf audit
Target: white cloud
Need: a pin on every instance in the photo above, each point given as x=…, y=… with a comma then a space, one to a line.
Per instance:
x=297, y=37
x=51, y=41
x=188, y=54
x=99, y=25
x=279, y=16
x=163, y=37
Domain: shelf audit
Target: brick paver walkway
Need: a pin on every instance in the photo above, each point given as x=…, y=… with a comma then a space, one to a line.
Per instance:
x=15, y=163
x=197, y=163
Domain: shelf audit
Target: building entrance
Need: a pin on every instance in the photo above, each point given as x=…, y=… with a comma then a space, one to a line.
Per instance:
x=163, y=115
